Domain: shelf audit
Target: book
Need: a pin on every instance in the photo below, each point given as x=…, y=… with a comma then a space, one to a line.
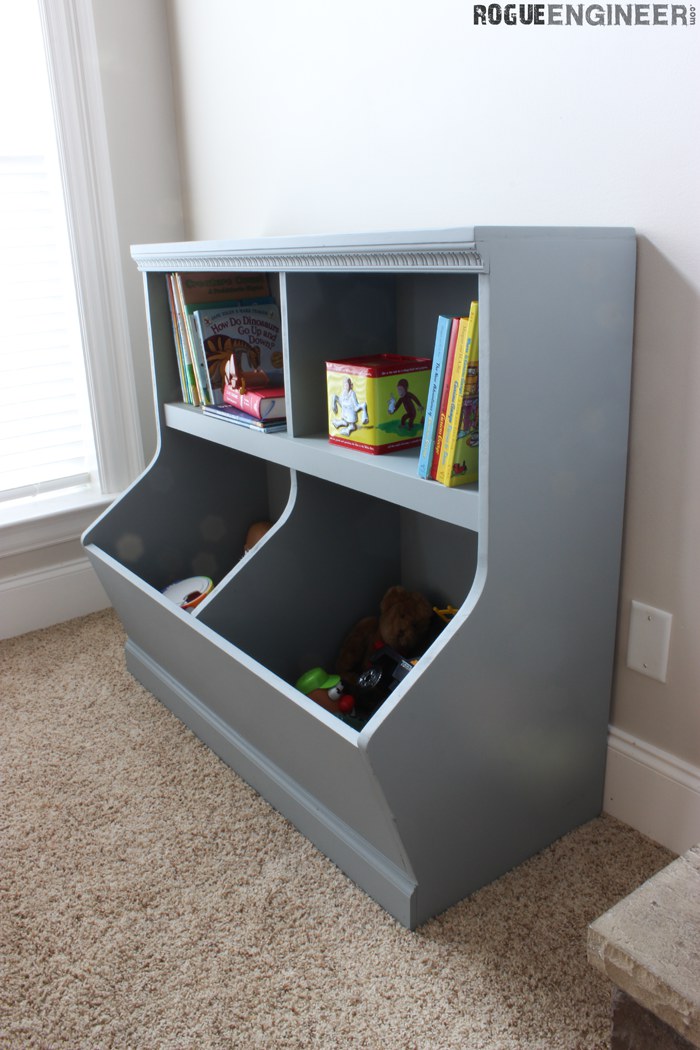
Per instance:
x=241, y=346
x=193, y=291
x=264, y=403
x=206, y=289
x=465, y=358
x=176, y=339
x=444, y=396
x=465, y=465
x=432, y=407
x=189, y=347
x=190, y=390
x=242, y=419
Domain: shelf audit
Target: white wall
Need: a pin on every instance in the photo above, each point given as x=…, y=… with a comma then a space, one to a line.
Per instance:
x=313, y=117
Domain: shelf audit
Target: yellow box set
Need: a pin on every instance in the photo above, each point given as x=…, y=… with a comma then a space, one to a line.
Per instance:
x=376, y=404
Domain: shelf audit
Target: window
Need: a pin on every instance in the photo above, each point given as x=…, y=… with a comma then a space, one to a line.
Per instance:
x=102, y=451
x=46, y=437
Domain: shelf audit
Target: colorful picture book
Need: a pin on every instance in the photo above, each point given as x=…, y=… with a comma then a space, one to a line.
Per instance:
x=241, y=348
x=189, y=293
x=444, y=396
x=450, y=446
x=437, y=378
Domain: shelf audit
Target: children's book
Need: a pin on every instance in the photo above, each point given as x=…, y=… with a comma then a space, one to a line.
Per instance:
x=198, y=290
x=437, y=375
x=241, y=347
x=465, y=465
x=444, y=396
x=221, y=289
x=243, y=419
x=460, y=416
x=181, y=368
x=190, y=387
x=264, y=403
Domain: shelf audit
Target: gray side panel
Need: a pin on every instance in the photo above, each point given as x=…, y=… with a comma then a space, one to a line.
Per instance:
x=499, y=745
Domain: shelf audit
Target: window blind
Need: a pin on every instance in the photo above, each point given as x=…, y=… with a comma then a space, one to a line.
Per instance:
x=46, y=438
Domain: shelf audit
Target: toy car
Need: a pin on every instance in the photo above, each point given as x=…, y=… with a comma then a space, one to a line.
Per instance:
x=376, y=683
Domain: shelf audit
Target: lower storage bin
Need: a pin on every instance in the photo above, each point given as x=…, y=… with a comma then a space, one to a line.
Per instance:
x=312, y=769
x=291, y=606
x=189, y=514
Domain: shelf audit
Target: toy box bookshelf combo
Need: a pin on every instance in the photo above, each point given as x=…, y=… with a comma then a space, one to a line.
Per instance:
x=494, y=745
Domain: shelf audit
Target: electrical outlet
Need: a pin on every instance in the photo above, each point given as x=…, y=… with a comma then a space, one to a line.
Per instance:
x=649, y=640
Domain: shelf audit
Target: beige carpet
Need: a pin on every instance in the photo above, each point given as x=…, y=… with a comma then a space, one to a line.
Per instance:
x=150, y=899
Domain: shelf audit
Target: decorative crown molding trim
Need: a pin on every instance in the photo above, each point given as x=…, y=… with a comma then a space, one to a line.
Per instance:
x=316, y=260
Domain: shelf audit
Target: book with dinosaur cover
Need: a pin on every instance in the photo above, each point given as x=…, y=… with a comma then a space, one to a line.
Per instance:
x=188, y=292
x=242, y=347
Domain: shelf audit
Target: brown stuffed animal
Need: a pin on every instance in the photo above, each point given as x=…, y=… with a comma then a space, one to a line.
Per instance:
x=255, y=533
x=403, y=623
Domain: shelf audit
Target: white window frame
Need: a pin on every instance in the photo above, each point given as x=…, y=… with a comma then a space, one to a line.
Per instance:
x=74, y=76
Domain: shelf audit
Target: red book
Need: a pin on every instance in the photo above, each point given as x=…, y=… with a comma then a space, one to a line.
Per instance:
x=263, y=403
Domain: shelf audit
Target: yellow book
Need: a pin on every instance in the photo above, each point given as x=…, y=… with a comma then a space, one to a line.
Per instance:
x=465, y=467
x=466, y=349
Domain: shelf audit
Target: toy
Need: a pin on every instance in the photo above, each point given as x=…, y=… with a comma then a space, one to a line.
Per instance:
x=405, y=618
x=387, y=668
x=187, y=594
x=370, y=406
x=255, y=533
x=326, y=690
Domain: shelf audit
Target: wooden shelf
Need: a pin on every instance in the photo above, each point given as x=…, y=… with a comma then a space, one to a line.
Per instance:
x=391, y=477
x=494, y=744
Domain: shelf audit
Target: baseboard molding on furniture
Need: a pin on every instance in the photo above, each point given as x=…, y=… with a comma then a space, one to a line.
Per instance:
x=392, y=888
x=47, y=596
x=653, y=791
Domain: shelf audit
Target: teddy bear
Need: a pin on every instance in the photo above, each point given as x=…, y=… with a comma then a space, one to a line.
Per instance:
x=404, y=621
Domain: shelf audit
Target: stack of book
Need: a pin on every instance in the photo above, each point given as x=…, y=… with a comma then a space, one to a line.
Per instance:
x=450, y=447
x=229, y=347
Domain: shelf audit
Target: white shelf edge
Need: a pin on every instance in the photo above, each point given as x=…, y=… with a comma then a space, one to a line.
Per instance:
x=390, y=477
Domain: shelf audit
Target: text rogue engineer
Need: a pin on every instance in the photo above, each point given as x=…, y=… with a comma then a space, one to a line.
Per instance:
x=581, y=14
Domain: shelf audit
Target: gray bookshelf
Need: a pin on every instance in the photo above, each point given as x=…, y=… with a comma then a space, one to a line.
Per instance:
x=494, y=745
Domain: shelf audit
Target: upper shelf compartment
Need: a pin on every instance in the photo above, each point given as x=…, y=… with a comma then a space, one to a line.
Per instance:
x=340, y=297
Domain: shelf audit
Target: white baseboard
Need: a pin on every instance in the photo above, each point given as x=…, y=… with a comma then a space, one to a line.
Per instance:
x=48, y=596
x=653, y=791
